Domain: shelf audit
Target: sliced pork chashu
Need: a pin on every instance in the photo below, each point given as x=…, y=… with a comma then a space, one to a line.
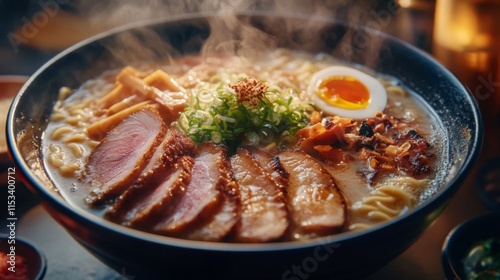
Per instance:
x=143, y=206
x=221, y=224
x=124, y=152
x=271, y=164
x=316, y=205
x=174, y=146
x=224, y=218
x=263, y=211
x=203, y=195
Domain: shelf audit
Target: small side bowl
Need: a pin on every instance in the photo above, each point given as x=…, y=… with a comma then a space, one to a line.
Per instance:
x=33, y=258
x=460, y=240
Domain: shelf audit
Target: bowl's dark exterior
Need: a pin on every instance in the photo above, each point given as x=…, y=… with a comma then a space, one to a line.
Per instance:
x=347, y=255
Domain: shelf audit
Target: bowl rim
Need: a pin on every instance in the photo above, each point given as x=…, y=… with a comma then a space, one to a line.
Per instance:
x=56, y=201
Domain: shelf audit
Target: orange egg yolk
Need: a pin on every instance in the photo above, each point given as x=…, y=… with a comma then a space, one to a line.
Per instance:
x=344, y=92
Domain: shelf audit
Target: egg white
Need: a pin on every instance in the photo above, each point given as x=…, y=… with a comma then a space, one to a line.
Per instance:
x=378, y=94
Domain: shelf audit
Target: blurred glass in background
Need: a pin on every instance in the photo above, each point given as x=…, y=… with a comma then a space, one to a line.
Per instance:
x=417, y=22
x=467, y=41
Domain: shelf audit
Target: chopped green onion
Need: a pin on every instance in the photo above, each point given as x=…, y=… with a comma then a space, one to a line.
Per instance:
x=216, y=114
x=216, y=137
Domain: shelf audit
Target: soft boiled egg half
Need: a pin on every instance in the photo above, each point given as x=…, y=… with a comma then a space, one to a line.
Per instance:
x=347, y=92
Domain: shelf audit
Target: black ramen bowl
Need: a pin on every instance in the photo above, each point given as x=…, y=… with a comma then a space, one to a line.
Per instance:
x=463, y=238
x=346, y=255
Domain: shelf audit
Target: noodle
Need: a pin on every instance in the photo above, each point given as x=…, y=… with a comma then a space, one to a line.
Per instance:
x=60, y=132
x=389, y=200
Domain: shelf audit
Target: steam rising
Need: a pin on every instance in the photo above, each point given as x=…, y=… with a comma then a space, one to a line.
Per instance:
x=230, y=34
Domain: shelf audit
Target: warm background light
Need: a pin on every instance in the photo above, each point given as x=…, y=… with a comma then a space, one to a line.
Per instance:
x=463, y=25
x=467, y=41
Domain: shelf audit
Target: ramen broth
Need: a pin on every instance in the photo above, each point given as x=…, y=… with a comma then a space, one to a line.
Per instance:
x=373, y=186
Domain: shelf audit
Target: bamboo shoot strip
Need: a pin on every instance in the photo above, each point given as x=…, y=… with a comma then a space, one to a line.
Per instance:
x=151, y=92
x=119, y=92
x=123, y=104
